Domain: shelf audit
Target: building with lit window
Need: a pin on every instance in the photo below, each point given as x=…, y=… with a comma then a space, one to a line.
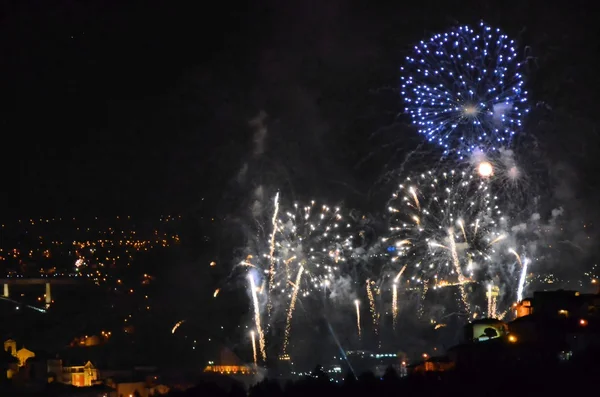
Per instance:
x=552, y=326
x=560, y=304
x=229, y=365
x=75, y=375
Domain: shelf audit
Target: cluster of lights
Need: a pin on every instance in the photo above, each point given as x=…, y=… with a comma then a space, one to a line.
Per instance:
x=94, y=250
x=100, y=249
x=304, y=254
x=432, y=213
x=464, y=88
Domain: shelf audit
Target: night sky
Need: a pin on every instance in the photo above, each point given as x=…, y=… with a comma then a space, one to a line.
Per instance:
x=146, y=108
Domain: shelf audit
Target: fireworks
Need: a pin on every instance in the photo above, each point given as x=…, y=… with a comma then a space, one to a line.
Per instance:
x=394, y=305
x=445, y=224
x=372, y=308
x=358, y=328
x=288, y=323
x=319, y=238
x=522, y=280
x=272, y=250
x=503, y=171
x=307, y=249
x=177, y=325
x=257, y=319
x=492, y=298
x=485, y=169
x=254, y=353
x=464, y=88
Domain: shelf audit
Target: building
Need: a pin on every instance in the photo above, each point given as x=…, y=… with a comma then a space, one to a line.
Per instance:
x=484, y=329
x=230, y=366
x=22, y=355
x=567, y=323
x=551, y=327
x=431, y=364
x=80, y=375
x=561, y=303
x=128, y=387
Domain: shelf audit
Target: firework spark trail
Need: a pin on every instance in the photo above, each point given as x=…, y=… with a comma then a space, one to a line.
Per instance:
x=492, y=302
x=372, y=308
x=254, y=354
x=522, y=280
x=271, y=254
x=456, y=263
x=394, y=305
x=413, y=192
x=462, y=228
x=502, y=315
x=358, y=329
x=498, y=239
x=216, y=292
x=423, y=295
x=247, y=262
x=177, y=326
x=492, y=297
x=290, y=314
x=261, y=335
x=489, y=300
x=400, y=274
x=444, y=284
x=512, y=251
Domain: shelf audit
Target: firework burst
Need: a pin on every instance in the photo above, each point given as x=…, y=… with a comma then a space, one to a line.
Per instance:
x=445, y=226
x=464, y=88
x=307, y=250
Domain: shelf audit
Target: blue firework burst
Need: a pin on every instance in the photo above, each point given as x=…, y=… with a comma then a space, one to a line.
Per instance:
x=464, y=89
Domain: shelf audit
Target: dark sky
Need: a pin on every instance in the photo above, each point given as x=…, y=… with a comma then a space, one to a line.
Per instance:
x=143, y=106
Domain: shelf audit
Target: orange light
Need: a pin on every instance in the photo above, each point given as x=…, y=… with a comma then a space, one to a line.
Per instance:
x=425, y=355
x=512, y=338
x=583, y=322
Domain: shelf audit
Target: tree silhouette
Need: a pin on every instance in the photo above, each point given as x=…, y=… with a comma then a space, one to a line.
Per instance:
x=6, y=359
x=490, y=333
x=350, y=379
x=318, y=373
x=237, y=390
x=390, y=375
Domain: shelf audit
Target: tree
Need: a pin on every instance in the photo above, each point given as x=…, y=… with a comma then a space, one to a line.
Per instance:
x=318, y=373
x=237, y=390
x=350, y=379
x=390, y=375
x=490, y=333
x=6, y=360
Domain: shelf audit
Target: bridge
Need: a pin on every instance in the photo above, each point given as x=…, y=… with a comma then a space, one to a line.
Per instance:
x=48, y=281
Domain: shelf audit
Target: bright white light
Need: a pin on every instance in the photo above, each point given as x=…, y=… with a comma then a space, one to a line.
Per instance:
x=485, y=169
